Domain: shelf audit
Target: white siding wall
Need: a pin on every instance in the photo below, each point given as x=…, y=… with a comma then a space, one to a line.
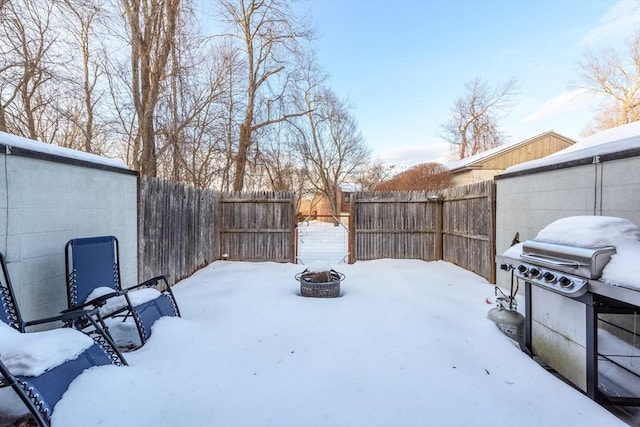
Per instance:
x=528, y=203
x=475, y=175
x=43, y=204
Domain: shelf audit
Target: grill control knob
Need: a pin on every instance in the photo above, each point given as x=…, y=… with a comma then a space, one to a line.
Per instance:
x=534, y=272
x=565, y=282
x=549, y=277
x=522, y=268
x=506, y=267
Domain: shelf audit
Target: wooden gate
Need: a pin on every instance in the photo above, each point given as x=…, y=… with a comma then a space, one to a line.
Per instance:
x=400, y=225
x=469, y=228
x=258, y=226
x=456, y=225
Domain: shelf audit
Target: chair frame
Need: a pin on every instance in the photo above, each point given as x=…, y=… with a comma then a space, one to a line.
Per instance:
x=129, y=309
x=70, y=318
x=9, y=380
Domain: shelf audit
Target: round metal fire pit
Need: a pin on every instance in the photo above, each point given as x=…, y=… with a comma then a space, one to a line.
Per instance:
x=325, y=284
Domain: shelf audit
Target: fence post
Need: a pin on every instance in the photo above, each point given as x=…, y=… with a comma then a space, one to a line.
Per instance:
x=293, y=247
x=438, y=238
x=492, y=231
x=351, y=244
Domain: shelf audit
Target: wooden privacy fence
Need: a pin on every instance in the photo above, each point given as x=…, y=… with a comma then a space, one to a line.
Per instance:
x=456, y=225
x=176, y=229
x=258, y=226
x=183, y=228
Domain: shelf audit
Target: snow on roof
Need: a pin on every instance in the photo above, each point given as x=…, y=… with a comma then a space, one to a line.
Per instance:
x=612, y=140
x=462, y=163
x=41, y=147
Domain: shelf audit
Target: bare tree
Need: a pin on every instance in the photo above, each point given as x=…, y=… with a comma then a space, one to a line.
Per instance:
x=234, y=89
x=425, y=176
x=25, y=66
x=329, y=143
x=190, y=109
x=474, y=123
x=152, y=29
x=615, y=75
x=79, y=18
x=270, y=36
x=369, y=176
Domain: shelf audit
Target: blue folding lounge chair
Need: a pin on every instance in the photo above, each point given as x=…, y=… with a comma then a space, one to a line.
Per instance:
x=94, y=262
x=41, y=393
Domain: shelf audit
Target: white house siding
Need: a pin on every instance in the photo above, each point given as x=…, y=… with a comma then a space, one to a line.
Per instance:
x=527, y=203
x=474, y=175
x=43, y=204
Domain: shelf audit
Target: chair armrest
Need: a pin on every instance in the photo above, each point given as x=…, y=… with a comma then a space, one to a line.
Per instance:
x=152, y=282
x=65, y=316
x=96, y=302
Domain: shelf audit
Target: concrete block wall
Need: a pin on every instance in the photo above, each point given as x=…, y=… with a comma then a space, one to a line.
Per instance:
x=43, y=204
x=527, y=203
x=621, y=183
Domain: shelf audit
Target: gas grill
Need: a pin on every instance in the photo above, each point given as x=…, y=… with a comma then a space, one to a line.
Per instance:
x=561, y=268
x=572, y=318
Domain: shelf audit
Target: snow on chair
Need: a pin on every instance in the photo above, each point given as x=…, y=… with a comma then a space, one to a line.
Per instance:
x=93, y=280
x=40, y=366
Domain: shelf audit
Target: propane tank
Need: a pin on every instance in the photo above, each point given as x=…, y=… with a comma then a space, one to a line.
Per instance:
x=510, y=322
x=505, y=315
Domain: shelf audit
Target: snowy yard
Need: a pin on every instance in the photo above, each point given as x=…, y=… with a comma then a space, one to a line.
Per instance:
x=407, y=344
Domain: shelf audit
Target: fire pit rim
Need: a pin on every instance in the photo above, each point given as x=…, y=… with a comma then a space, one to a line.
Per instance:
x=327, y=289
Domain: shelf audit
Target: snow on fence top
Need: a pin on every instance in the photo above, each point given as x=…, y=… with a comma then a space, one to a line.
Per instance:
x=612, y=140
x=41, y=147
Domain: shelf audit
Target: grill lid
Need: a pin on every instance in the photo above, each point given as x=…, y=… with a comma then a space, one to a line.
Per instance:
x=583, y=262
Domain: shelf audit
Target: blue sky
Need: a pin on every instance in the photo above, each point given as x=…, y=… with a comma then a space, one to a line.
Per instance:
x=402, y=63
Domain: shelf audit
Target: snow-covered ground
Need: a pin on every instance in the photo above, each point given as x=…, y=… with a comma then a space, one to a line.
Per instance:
x=407, y=344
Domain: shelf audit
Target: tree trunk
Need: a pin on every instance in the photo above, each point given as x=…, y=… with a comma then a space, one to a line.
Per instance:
x=3, y=119
x=148, y=165
x=241, y=157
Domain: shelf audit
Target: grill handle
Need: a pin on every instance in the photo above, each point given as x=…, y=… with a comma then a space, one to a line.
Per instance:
x=552, y=260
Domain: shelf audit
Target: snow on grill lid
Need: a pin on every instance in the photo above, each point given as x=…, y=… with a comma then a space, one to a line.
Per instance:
x=596, y=232
x=584, y=262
